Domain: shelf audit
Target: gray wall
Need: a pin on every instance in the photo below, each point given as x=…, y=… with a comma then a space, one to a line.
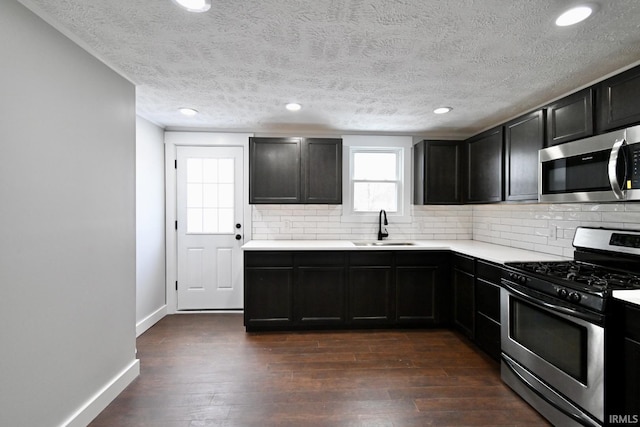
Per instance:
x=67, y=223
x=150, y=240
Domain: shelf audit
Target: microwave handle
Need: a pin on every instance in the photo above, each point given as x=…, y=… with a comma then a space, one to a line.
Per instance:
x=614, y=158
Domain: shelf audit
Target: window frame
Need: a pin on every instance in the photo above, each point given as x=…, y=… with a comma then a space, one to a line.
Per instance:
x=399, y=145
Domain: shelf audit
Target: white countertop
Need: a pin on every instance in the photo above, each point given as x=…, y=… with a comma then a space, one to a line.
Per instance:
x=487, y=251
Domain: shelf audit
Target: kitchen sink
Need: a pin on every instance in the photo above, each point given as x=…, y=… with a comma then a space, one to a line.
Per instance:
x=384, y=243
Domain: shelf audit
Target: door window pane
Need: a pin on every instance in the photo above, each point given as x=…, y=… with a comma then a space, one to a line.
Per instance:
x=210, y=195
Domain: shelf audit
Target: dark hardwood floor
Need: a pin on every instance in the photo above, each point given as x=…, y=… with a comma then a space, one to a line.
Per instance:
x=204, y=370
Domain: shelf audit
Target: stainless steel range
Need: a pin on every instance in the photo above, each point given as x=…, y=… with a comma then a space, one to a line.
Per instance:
x=557, y=318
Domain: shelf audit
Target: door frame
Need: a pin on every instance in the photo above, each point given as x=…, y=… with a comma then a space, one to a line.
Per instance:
x=173, y=139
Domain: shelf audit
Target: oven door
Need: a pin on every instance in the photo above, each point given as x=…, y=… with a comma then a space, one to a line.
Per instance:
x=552, y=358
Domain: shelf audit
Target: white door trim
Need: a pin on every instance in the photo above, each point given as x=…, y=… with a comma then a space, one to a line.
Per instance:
x=172, y=139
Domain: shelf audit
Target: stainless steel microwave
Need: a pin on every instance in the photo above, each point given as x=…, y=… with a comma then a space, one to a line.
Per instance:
x=602, y=168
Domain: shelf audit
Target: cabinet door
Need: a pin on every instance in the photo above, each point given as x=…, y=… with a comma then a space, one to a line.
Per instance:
x=570, y=118
x=268, y=289
x=523, y=138
x=274, y=170
x=437, y=169
x=618, y=104
x=463, y=301
x=484, y=181
x=322, y=170
x=420, y=285
x=319, y=295
x=369, y=287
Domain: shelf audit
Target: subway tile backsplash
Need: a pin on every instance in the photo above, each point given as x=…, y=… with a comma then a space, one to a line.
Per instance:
x=547, y=228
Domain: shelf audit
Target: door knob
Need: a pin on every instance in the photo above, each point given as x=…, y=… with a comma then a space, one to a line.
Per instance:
x=238, y=236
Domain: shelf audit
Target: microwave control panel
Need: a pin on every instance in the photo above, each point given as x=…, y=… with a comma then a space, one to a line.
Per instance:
x=634, y=179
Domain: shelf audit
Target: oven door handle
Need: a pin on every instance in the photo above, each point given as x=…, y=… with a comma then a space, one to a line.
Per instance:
x=545, y=302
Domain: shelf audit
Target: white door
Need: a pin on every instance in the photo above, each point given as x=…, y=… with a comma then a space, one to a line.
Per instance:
x=209, y=193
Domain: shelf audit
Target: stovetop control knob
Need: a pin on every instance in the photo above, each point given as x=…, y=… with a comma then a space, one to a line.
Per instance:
x=522, y=279
x=574, y=296
x=562, y=293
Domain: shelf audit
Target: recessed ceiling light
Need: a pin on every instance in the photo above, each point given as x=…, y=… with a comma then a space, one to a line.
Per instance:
x=442, y=110
x=194, y=5
x=189, y=112
x=292, y=106
x=573, y=16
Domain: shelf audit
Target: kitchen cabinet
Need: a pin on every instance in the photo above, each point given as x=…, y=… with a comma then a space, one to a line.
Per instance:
x=268, y=289
x=617, y=101
x=570, y=118
x=421, y=287
x=295, y=170
x=338, y=289
x=485, y=163
x=487, y=303
x=438, y=174
x=319, y=293
x=463, y=277
x=524, y=136
x=370, y=288
x=631, y=364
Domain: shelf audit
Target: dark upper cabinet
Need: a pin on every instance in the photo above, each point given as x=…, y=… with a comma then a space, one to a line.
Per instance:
x=523, y=138
x=322, y=170
x=617, y=100
x=484, y=171
x=437, y=172
x=274, y=170
x=570, y=118
x=295, y=170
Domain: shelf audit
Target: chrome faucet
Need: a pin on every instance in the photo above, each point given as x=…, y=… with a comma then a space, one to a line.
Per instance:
x=382, y=235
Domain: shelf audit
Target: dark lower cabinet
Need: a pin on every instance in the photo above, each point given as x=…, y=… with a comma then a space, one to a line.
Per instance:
x=487, y=315
x=370, y=288
x=463, y=294
x=337, y=289
x=421, y=287
x=268, y=289
x=319, y=293
x=631, y=364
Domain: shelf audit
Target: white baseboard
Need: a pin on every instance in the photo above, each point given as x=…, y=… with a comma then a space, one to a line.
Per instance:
x=104, y=397
x=150, y=320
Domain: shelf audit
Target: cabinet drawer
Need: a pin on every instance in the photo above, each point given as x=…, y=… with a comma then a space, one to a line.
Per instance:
x=488, y=335
x=320, y=258
x=464, y=263
x=422, y=258
x=268, y=259
x=370, y=258
x=488, y=299
x=489, y=272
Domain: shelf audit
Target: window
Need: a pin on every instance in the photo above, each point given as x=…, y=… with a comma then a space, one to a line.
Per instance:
x=376, y=177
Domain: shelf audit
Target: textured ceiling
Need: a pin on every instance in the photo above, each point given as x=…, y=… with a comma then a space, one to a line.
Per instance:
x=356, y=66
